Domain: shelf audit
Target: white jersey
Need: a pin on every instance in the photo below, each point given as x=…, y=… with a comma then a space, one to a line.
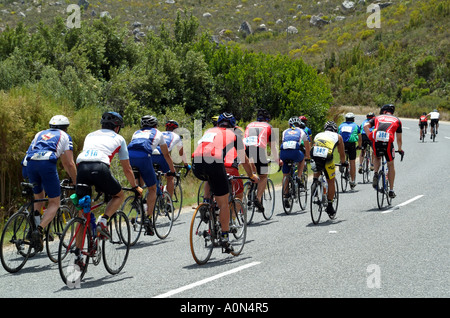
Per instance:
x=171, y=139
x=101, y=146
x=434, y=115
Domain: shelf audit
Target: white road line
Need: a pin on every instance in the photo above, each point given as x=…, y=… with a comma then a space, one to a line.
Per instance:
x=447, y=137
x=404, y=203
x=206, y=280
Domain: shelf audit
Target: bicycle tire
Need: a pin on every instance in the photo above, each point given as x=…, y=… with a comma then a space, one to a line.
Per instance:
x=386, y=193
x=177, y=200
x=335, y=199
x=238, y=226
x=303, y=192
x=115, y=250
x=366, y=166
x=132, y=208
x=163, y=215
x=380, y=190
x=70, y=269
x=54, y=231
x=268, y=200
x=201, y=229
x=249, y=197
x=287, y=191
x=15, y=247
x=345, y=179
x=200, y=192
x=316, y=204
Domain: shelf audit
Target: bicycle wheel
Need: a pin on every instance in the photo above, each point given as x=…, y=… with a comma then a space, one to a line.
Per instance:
x=316, y=204
x=238, y=226
x=380, y=190
x=268, y=200
x=15, y=242
x=163, y=215
x=344, y=179
x=335, y=198
x=200, y=192
x=200, y=239
x=73, y=260
x=54, y=231
x=132, y=208
x=249, y=197
x=287, y=194
x=386, y=192
x=366, y=167
x=115, y=250
x=303, y=192
x=177, y=200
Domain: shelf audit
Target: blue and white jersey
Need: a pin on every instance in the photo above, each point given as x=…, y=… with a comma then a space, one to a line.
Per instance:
x=349, y=131
x=361, y=128
x=146, y=140
x=292, y=138
x=49, y=145
x=101, y=146
x=171, y=139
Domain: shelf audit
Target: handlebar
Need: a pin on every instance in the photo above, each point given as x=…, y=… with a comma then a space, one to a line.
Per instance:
x=402, y=154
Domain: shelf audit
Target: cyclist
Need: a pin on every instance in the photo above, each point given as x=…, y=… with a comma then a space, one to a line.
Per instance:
x=307, y=130
x=423, y=124
x=350, y=134
x=218, y=147
x=141, y=147
x=434, y=116
x=386, y=128
x=172, y=140
x=290, y=149
x=322, y=154
x=257, y=135
x=41, y=169
x=94, y=162
x=364, y=141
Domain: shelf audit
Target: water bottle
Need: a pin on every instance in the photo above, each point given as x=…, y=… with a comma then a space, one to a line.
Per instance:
x=325, y=190
x=313, y=165
x=93, y=224
x=37, y=218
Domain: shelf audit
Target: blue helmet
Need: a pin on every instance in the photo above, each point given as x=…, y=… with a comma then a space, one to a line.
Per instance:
x=226, y=119
x=112, y=118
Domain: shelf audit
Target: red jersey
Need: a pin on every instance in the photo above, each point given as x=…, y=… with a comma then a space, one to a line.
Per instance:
x=423, y=119
x=258, y=133
x=385, y=128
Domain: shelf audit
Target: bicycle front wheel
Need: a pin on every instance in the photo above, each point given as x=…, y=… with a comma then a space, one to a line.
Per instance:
x=287, y=194
x=268, y=199
x=163, y=215
x=115, y=250
x=238, y=226
x=15, y=242
x=132, y=208
x=73, y=252
x=200, y=234
x=316, y=204
x=54, y=231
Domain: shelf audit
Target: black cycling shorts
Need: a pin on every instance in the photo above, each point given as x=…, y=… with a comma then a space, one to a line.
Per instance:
x=434, y=122
x=350, y=148
x=99, y=175
x=214, y=173
x=259, y=157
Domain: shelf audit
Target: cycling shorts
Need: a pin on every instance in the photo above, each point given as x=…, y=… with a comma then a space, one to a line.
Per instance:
x=237, y=184
x=44, y=175
x=385, y=149
x=214, y=172
x=326, y=165
x=434, y=122
x=292, y=155
x=144, y=163
x=365, y=141
x=259, y=157
x=423, y=124
x=99, y=175
x=161, y=161
x=350, y=149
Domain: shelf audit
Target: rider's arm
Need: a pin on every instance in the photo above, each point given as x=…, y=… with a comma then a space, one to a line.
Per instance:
x=166, y=154
x=399, y=141
x=367, y=128
x=341, y=149
x=128, y=171
x=69, y=164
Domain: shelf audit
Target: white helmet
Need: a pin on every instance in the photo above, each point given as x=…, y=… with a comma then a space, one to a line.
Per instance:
x=59, y=122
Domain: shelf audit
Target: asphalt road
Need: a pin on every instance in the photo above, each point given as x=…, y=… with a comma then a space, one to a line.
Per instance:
x=399, y=252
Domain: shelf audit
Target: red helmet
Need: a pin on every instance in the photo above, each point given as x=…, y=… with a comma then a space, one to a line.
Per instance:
x=172, y=124
x=303, y=119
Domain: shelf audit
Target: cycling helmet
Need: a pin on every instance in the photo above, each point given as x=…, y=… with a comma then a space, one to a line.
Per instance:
x=226, y=120
x=350, y=117
x=59, y=122
x=370, y=115
x=214, y=120
x=303, y=119
x=302, y=125
x=330, y=125
x=294, y=122
x=390, y=108
x=424, y=113
x=148, y=121
x=171, y=125
x=435, y=110
x=111, y=120
x=262, y=115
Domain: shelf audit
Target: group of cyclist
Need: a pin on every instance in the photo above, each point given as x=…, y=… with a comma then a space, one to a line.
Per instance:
x=219, y=153
x=423, y=123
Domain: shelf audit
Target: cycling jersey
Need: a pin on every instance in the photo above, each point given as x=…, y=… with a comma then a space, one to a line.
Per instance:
x=423, y=119
x=322, y=152
x=349, y=131
x=146, y=140
x=258, y=134
x=101, y=146
x=171, y=139
x=434, y=115
x=383, y=135
x=292, y=139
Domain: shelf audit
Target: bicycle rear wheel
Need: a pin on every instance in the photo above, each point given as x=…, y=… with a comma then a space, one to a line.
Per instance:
x=303, y=192
x=163, y=215
x=268, y=199
x=132, y=208
x=366, y=167
x=344, y=179
x=115, y=250
x=201, y=192
x=177, y=200
x=200, y=234
x=54, y=231
x=335, y=198
x=249, y=197
x=238, y=226
x=381, y=192
x=72, y=260
x=316, y=204
x=15, y=244
x=287, y=192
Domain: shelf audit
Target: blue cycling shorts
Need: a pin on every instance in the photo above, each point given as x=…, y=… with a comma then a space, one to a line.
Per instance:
x=290, y=154
x=44, y=175
x=145, y=166
x=161, y=161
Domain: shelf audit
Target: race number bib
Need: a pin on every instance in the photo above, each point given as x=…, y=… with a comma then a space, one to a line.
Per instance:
x=208, y=137
x=346, y=129
x=42, y=155
x=251, y=141
x=382, y=136
x=320, y=152
x=290, y=144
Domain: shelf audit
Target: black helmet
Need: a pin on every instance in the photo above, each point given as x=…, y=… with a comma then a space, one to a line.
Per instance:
x=330, y=125
x=262, y=115
x=111, y=120
x=148, y=121
x=226, y=118
x=370, y=115
x=390, y=108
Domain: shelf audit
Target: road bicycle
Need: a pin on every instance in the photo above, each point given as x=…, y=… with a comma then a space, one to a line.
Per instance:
x=345, y=176
x=16, y=244
x=423, y=133
x=135, y=207
x=319, y=200
x=433, y=133
x=177, y=197
x=205, y=229
x=294, y=189
x=267, y=199
x=80, y=243
x=382, y=187
x=367, y=164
